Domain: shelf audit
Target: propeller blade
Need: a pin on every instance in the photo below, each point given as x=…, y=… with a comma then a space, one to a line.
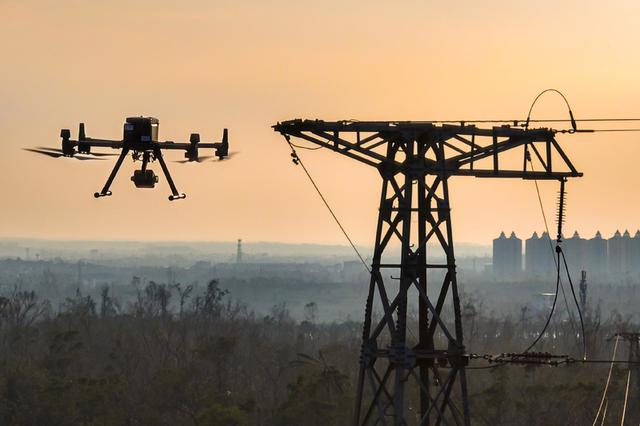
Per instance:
x=40, y=151
x=96, y=154
x=46, y=148
x=201, y=159
x=80, y=157
x=56, y=153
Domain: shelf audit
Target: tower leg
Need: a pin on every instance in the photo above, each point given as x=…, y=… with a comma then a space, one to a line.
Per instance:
x=392, y=356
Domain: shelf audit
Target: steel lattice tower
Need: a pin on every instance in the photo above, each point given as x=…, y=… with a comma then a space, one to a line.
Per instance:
x=415, y=161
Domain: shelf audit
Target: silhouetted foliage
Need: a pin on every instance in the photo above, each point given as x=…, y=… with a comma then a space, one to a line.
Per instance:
x=190, y=355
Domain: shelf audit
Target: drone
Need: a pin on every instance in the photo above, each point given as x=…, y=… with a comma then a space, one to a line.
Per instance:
x=140, y=138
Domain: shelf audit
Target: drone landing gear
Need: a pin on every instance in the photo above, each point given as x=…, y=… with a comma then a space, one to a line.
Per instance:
x=175, y=195
x=105, y=190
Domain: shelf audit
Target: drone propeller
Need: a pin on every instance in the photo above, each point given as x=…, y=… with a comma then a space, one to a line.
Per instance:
x=57, y=153
x=201, y=159
x=41, y=151
x=96, y=154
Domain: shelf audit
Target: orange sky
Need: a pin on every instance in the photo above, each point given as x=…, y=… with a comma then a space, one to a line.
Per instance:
x=201, y=66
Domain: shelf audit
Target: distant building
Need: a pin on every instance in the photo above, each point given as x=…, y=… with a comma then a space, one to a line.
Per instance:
x=616, y=254
x=507, y=256
x=539, y=255
x=634, y=254
x=576, y=252
x=596, y=256
x=616, y=259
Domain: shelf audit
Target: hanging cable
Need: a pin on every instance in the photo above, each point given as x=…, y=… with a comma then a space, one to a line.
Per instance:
x=561, y=218
x=556, y=260
x=562, y=195
x=606, y=386
x=558, y=248
x=575, y=299
x=626, y=398
x=604, y=413
x=297, y=161
x=553, y=307
x=571, y=119
x=309, y=148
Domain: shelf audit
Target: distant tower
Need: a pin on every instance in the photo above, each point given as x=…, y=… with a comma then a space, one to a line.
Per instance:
x=239, y=252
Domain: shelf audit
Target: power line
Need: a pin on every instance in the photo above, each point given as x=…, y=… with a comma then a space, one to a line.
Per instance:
x=305, y=147
x=606, y=386
x=298, y=160
x=626, y=396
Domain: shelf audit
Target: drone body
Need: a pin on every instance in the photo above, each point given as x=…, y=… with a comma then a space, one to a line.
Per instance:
x=140, y=138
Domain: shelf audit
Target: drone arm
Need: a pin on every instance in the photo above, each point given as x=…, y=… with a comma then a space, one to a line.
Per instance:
x=222, y=147
x=102, y=143
x=173, y=145
x=105, y=190
x=175, y=195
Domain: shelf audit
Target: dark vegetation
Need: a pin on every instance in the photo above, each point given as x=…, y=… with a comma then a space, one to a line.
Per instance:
x=192, y=355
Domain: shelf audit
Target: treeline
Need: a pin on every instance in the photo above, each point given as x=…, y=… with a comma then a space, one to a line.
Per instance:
x=186, y=355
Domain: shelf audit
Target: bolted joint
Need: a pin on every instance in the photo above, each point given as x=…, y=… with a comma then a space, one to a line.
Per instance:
x=387, y=170
x=368, y=353
x=386, y=207
x=400, y=355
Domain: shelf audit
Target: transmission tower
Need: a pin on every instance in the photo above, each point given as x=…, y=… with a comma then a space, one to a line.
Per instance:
x=415, y=161
x=239, y=252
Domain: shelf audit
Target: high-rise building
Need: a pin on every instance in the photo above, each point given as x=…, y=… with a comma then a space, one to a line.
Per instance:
x=596, y=256
x=531, y=249
x=616, y=258
x=507, y=256
x=616, y=253
x=634, y=254
x=576, y=252
x=539, y=255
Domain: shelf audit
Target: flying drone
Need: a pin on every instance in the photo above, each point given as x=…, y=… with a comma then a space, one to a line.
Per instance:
x=140, y=138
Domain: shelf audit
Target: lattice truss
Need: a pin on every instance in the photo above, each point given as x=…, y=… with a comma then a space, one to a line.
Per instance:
x=415, y=161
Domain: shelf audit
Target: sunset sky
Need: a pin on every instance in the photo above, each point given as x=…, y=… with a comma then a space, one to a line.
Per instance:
x=200, y=66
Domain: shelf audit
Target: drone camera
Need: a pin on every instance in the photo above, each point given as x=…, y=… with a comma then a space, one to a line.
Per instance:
x=144, y=178
x=65, y=133
x=194, y=138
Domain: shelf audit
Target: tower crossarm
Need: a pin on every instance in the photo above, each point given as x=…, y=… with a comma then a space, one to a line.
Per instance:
x=469, y=150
